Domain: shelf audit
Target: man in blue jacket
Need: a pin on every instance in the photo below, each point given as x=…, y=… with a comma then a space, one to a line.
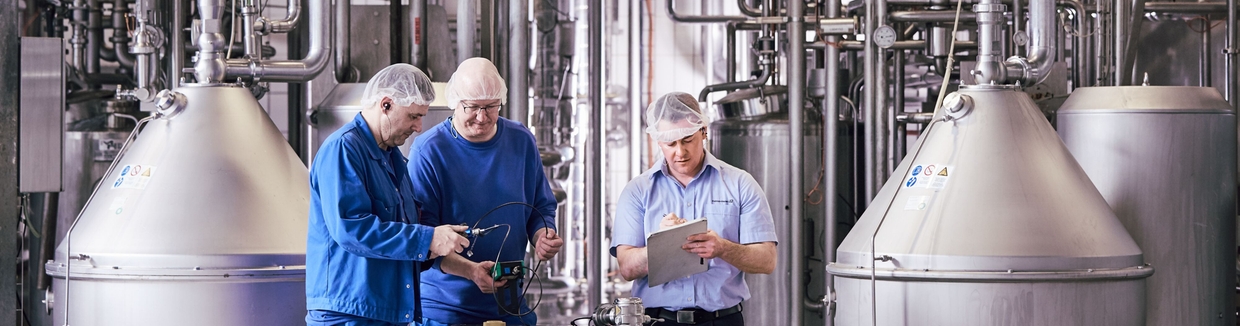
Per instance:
x=364, y=238
x=480, y=169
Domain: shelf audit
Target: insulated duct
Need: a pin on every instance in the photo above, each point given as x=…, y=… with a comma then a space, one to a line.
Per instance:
x=213, y=67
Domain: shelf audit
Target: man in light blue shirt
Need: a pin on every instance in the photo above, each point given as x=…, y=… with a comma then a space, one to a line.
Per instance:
x=692, y=183
x=363, y=240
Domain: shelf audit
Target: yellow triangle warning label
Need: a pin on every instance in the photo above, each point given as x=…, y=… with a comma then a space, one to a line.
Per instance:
x=943, y=172
x=148, y=172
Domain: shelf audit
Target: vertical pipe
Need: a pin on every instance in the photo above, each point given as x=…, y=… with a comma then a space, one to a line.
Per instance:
x=518, y=59
x=871, y=130
x=466, y=24
x=396, y=38
x=594, y=166
x=343, y=59
x=1230, y=59
x=898, y=142
x=486, y=24
x=882, y=110
x=796, y=104
x=1137, y=11
x=830, y=150
x=176, y=58
x=10, y=45
x=1018, y=25
x=1205, y=56
x=730, y=74
x=94, y=35
x=1120, y=17
x=1100, y=60
x=47, y=244
x=417, y=12
x=252, y=41
x=637, y=146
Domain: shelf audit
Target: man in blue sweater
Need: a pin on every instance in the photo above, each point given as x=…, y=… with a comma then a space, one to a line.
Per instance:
x=363, y=239
x=471, y=169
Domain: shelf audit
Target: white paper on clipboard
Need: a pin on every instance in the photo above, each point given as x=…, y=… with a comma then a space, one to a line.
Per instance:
x=667, y=261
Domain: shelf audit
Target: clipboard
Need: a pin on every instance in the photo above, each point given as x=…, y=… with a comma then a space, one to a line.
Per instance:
x=666, y=260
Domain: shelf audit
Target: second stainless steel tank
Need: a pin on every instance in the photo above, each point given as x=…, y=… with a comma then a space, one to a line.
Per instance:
x=1164, y=157
x=754, y=137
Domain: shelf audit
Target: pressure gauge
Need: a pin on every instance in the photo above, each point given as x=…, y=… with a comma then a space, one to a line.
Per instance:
x=884, y=36
x=1020, y=38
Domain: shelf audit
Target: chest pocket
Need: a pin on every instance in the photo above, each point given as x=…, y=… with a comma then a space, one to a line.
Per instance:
x=724, y=216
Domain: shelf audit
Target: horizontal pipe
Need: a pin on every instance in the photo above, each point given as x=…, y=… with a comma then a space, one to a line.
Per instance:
x=763, y=76
x=899, y=45
x=1186, y=7
x=671, y=12
x=928, y=16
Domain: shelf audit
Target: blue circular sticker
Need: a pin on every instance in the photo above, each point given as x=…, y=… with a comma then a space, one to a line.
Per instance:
x=916, y=169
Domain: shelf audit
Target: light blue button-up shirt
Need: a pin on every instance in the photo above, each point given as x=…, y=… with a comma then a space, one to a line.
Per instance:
x=735, y=208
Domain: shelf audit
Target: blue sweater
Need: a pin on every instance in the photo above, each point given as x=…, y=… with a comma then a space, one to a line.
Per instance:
x=457, y=182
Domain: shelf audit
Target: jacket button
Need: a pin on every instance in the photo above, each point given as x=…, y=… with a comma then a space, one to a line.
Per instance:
x=406, y=315
x=407, y=286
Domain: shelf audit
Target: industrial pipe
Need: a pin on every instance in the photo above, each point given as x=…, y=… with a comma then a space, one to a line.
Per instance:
x=594, y=166
x=1230, y=52
x=1042, y=23
x=344, y=63
x=176, y=57
x=869, y=77
x=796, y=135
x=899, y=45
x=1120, y=15
x=251, y=39
x=94, y=35
x=417, y=14
x=1134, y=32
x=747, y=9
x=270, y=70
x=292, y=15
x=120, y=34
x=829, y=154
x=396, y=38
x=671, y=12
x=929, y=16
x=764, y=74
x=466, y=24
x=1186, y=7
x=77, y=42
x=518, y=60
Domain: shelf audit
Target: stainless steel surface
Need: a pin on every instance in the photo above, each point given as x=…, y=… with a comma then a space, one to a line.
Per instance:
x=1164, y=159
x=203, y=223
x=1177, y=58
x=42, y=109
x=345, y=72
x=291, y=17
x=287, y=70
x=752, y=102
x=593, y=157
x=417, y=50
x=990, y=66
x=176, y=57
x=86, y=158
x=1012, y=232
x=209, y=62
x=466, y=27
x=671, y=13
x=1121, y=16
x=796, y=156
x=756, y=145
x=1043, y=21
x=1186, y=7
x=926, y=16
x=518, y=60
x=830, y=153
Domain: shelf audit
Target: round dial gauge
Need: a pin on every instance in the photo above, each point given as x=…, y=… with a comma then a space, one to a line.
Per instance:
x=884, y=36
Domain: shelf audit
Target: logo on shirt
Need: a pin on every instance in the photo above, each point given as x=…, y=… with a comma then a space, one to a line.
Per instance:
x=722, y=201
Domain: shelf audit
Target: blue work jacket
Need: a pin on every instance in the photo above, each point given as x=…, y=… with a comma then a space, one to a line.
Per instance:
x=363, y=239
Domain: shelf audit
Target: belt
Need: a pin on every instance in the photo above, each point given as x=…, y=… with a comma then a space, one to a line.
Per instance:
x=692, y=316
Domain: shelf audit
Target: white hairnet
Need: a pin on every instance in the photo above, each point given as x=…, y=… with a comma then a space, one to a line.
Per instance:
x=476, y=79
x=403, y=83
x=673, y=117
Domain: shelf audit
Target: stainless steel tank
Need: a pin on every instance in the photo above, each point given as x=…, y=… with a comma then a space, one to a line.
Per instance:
x=753, y=135
x=989, y=221
x=1164, y=157
x=203, y=222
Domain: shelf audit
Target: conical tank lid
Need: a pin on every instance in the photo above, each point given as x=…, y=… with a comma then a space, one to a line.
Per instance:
x=215, y=186
x=994, y=190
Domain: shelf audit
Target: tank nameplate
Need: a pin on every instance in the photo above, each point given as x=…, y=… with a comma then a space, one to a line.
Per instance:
x=106, y=147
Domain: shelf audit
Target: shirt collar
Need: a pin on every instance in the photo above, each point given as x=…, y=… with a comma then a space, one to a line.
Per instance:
x=709, y=162
x=372, y=147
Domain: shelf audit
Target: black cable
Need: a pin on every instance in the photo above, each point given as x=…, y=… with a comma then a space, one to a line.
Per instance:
x=574, y=321
x=547, y=223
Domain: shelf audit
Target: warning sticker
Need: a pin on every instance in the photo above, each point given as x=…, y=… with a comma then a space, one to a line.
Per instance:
x=943, y=172
x=134, y=177
x=939, y=181
x=917, y=203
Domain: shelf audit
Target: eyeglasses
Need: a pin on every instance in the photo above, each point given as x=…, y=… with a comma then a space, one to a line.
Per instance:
x=488, y=109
